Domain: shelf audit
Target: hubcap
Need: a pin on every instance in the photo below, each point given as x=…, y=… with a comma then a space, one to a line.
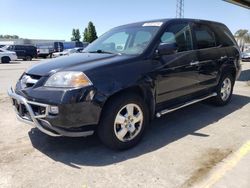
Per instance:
x=128, y=122
x=226, y=89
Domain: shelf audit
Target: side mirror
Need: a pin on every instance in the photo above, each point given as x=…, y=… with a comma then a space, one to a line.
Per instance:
x=167, y=49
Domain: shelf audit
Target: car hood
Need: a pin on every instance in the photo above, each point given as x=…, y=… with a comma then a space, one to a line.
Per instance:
x=75, y=62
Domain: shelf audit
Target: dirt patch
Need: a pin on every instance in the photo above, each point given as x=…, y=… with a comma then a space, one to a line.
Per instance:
x=14, y=152
x=4, y=98
x=206, y=162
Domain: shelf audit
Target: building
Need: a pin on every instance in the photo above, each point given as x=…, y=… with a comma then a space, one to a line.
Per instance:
x=243, y=3
x=26, y=41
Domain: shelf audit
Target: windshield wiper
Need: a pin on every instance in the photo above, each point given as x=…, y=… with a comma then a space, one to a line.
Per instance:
x=101, y=52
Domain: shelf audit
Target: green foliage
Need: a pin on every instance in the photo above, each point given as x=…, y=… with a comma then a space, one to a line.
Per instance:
x=242, y=36
x=9, y=37
x=86, y=35
x=89, y=34
x=76, y=36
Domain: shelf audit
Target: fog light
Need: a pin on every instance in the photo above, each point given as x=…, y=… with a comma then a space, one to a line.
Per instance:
x=53, y=110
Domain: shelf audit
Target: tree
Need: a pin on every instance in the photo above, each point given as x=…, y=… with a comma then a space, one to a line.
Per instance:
x=85, y=35
x=89, y=34
x=76, y=36
x=242, y=36
x=9, y=37
x=73, y=35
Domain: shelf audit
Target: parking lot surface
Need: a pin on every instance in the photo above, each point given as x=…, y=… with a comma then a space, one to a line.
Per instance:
x=198, y=146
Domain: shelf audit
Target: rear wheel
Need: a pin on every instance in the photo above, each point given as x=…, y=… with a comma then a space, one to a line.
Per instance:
x=123, y=122
x=28, y=58
x=224, y=90
x=5, y=59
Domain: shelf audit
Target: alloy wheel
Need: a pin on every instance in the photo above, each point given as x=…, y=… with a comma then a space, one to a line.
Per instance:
x=226, y=89
x=128, y=122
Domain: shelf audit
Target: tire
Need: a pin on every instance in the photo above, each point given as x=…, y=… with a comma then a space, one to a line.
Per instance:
x=28, y=58
x=5, y=59
x=121, y=136
x=224, y=90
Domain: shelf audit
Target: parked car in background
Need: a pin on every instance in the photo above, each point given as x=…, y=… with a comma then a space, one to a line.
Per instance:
x=67, y=52
x=245, y=56
x=128, y=76
x=47, y=49
x=25, y=52
x=7, y=56
x=73, y=44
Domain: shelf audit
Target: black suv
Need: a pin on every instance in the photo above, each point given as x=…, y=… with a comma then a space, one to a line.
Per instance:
x=25, y=52
x=128, y=76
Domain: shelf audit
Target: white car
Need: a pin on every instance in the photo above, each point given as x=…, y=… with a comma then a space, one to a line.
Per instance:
x=245, y=56
x=7, y=56
x=67, y=52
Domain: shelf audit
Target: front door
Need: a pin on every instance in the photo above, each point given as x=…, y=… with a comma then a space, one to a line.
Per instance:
x=177, y=74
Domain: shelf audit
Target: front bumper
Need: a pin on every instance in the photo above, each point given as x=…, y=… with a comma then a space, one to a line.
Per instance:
x=13, y=58
x=27, y=112
x=245, y=58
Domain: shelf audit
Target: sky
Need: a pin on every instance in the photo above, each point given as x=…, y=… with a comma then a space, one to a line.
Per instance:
x=54, y=19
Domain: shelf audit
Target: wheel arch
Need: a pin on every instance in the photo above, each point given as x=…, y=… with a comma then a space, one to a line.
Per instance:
x=5, y=57
x=146, y=93
x=229, y=69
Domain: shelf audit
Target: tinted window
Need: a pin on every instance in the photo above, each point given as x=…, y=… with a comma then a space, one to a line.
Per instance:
x=205, y=37
x=17, y=47
x=179, y=34
x=225, y=36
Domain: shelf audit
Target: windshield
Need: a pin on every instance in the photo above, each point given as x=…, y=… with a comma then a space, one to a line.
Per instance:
x=131, y=40
x=5, y=47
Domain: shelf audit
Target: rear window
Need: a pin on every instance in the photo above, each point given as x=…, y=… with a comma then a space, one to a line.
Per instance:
x=225, y=36
x=205, y=37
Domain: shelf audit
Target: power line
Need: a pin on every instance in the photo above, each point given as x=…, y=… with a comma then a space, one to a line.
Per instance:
x=180, y=9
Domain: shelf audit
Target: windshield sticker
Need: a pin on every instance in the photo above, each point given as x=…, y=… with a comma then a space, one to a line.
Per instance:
x=157, y=24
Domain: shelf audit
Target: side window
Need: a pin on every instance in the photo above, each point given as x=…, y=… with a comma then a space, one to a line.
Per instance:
x=205, y=37
x=10, y=48
x=179, y=34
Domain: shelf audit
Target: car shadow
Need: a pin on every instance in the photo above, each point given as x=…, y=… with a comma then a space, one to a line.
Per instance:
x=245, y=75
x=78, y=152
x=15, y=62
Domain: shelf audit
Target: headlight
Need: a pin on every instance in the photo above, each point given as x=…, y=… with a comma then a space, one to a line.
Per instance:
x=68, y=79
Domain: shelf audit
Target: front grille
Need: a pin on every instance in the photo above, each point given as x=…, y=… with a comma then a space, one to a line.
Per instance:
x=24, y=113
x=29, y=80
x=21, y=110
x=38, y=110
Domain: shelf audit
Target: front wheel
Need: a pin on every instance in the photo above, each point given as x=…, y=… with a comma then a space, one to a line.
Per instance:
x=5, y=59
x=123, y=122
x=224, y=90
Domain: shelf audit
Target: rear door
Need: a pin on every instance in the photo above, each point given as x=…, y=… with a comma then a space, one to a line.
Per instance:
x=19, y=51
x=210, y=54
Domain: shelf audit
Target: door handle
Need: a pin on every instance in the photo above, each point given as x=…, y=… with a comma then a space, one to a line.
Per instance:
x=223, y=57
x=194, y=63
